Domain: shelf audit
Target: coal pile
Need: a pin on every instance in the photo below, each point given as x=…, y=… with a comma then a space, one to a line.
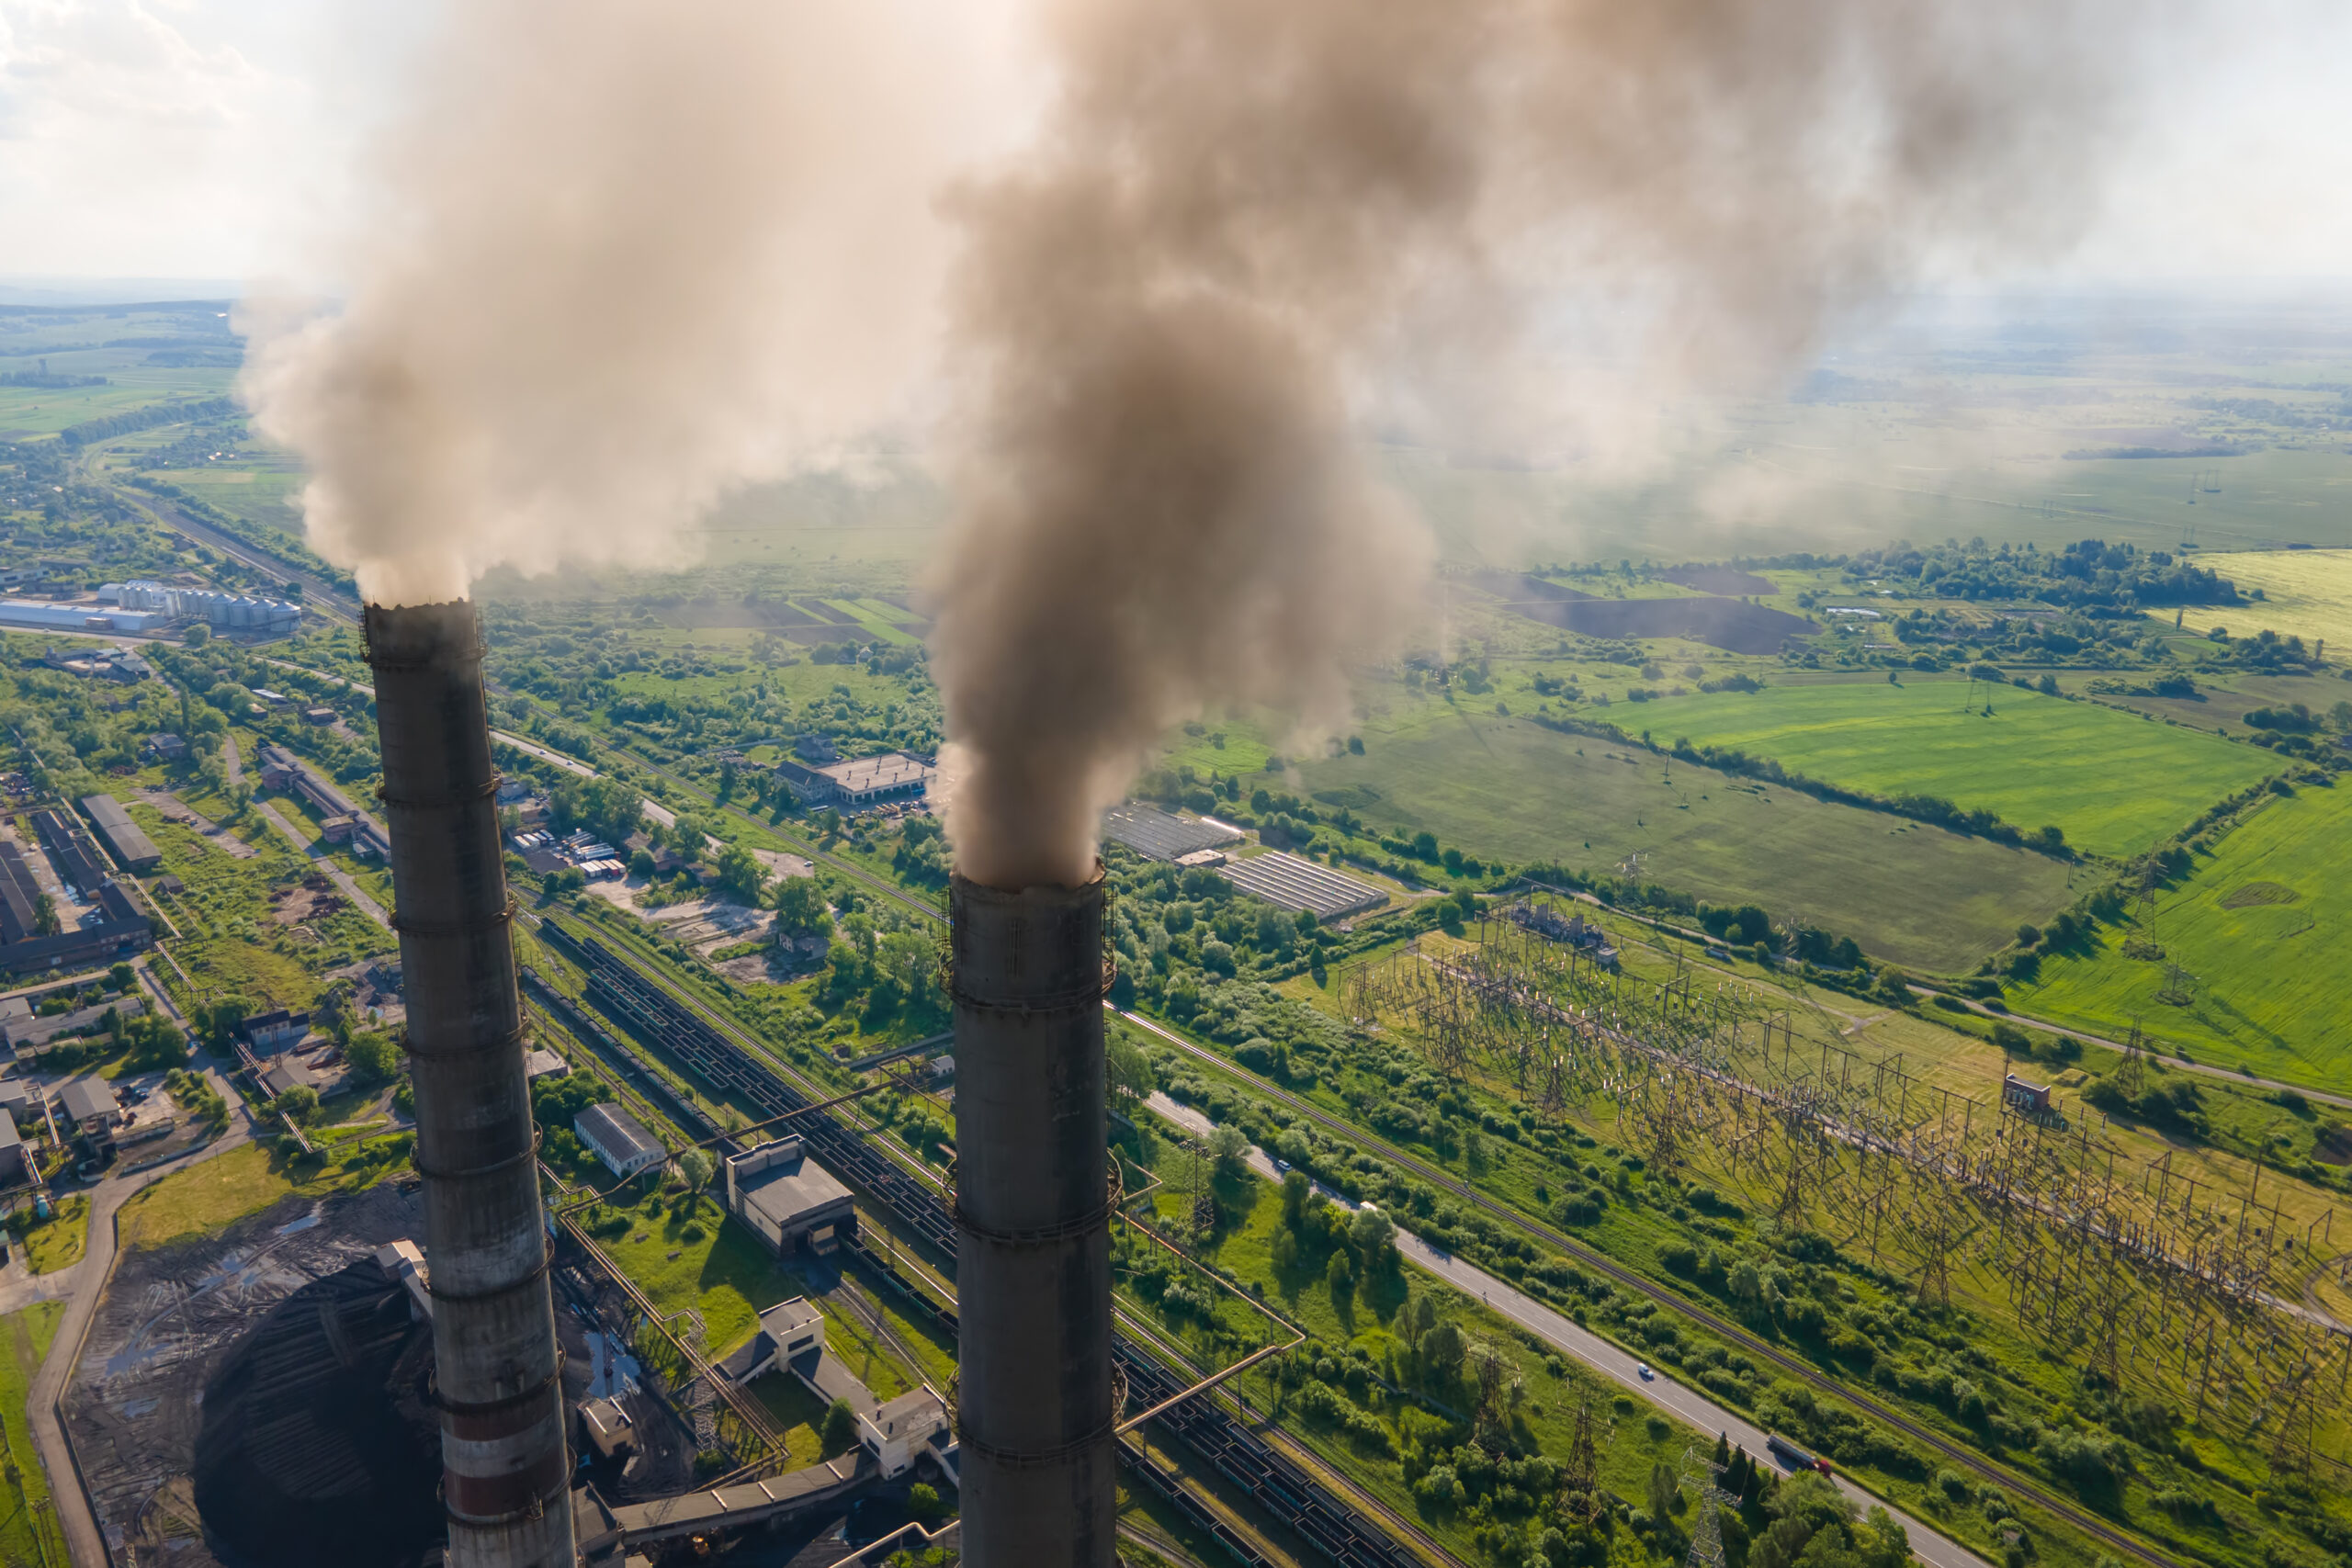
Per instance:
x=175, y=1318
x=317, y=1444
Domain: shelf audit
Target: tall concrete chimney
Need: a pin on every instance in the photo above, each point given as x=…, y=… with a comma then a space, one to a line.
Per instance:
x=1033, y=1206
x=506, y=1470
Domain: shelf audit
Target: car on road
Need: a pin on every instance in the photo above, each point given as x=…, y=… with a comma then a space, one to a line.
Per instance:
x=1282, y=1167
x=1644, y=1368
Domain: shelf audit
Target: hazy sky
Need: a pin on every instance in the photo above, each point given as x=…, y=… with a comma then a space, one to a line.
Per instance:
x=208, y=137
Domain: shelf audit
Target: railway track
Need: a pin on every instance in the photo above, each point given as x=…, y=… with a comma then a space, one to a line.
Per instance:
x=1618, y=1274
x=1276, y=1482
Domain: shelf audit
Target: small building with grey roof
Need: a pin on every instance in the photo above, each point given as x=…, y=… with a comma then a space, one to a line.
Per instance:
x=619, y=1139
x=133, y=849
x=788, y=1199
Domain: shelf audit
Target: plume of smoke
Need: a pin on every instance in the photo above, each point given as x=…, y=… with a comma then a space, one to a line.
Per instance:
x=1171, y=306
x=620, y=258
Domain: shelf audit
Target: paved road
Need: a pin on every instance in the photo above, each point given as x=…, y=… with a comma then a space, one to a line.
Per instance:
x=85, y=1284
x=1620, y=1366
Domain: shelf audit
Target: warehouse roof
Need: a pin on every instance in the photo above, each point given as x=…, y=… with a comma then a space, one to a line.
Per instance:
x=617, y=1132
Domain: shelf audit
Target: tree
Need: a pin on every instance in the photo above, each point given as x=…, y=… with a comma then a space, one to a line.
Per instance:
x=196, y=636
x=1443, y=1350
x=608, y=807
x=922, y=1500
x=839, y=1433
x=800, y=907
x=1665, y=1491
x=1340, y=1276
x=300, y=1103
x=696, y=1167
x=1295, y=1188
x=122, y=977
x=740, y=876
x=154, y=1043
x=1128, y=1072
x=1230, y=1146
x=45, y=921
x=373, y=1058
x=1374, y=1237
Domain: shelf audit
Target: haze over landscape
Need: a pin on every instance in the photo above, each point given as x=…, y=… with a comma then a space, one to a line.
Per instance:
x=1707, y=652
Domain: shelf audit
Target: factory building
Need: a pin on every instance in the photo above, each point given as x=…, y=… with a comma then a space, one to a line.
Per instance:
x=229, y=611
x=131, y=848
x=859, y=783
x=792, y=1340
x=120, y=665
x=117, y=931
x=266, y=1033
x=89, y=1105
x=788, y=1199
x=40, y=616
x=619, y=1139
x=281, y=769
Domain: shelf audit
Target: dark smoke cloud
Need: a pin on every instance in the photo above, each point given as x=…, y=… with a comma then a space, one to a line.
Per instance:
x=1237, y=211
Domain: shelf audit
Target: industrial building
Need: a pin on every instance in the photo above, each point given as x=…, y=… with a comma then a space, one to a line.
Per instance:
x=89, y=1104
x=41, y=616
x=283, y=1078
x=118, y=932
x=619, y=1139
x=860, y=782
x=1293, y=883
x=20, y=1100
x=281, y=769
x=2031, y=1097
x=70, y=849
x=265, y=1033
x=14, y=1164
x=131, y=848
x=165, y=748
x=792, y=1340
x=788, y=1199
x=229, y=611
x=1156, y=835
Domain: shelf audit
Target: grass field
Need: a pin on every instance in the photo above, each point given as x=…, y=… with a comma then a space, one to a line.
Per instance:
x=2264, y=926
x=1507, y=787
x=59, y=1241
x=2115, y=783
x=29, y=1533
x=226, y=1188
x=725, y=1274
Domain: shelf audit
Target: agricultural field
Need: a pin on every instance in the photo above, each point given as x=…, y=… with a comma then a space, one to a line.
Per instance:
x=1506, y=786
x=2263, y=926
x=2306, y=593
x=2116, y=783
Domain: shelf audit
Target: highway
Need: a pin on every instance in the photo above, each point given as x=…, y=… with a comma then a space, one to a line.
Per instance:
x=1611, y=1360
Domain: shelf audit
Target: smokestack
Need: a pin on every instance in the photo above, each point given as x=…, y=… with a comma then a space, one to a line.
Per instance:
x=1033, y=1205
x=506, y=1470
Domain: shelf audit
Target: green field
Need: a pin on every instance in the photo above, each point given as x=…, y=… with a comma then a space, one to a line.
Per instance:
x=2115, y=783
x=29, y=1532
x=2264, y=926
x=1496, y=786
